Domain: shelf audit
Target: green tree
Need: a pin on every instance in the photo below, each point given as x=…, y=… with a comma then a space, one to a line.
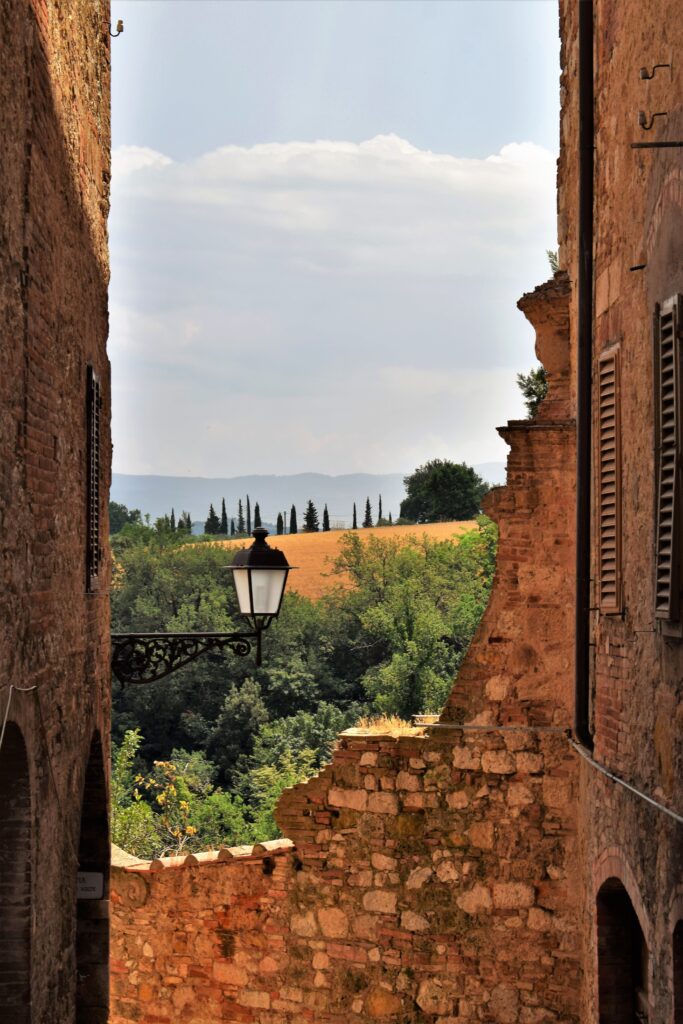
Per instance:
x=185, y=523
x=379, y=512
x=355, y=518
x=212, y=524
x=441, y=491
x=534, y=388
x=257, y=516
x=224, y=519
x=311, y=524
x=367, y=519
x=119, y=515
x=133, y=826
x=391, y=521
x=172, y=522
x=248, y=517
x=232, y=527
x=293, y=528
x=240, y=517
x=326, y=520
x=267, y=784
x=243, y=714
x=280, y=525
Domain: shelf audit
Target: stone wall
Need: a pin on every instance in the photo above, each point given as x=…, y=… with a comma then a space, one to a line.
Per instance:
x=636, y=688
x=54, y=180
x=433, y=875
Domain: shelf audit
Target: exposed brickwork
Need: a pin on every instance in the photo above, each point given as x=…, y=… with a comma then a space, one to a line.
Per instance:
x=54, y=170
x=433, y=875
x=636, y=682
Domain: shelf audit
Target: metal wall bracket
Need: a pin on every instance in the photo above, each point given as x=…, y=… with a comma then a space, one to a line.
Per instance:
x=147, y=657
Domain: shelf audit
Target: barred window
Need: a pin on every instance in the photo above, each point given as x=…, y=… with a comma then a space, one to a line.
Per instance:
x=93, y=548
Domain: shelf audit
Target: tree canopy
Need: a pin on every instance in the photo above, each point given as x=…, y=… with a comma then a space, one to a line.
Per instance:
x=441, y=491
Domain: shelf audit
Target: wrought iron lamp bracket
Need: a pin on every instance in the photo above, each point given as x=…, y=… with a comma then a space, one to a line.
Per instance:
x=147, y=657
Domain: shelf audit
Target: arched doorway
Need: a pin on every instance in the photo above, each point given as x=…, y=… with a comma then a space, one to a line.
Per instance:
x=92, y=895
x=15, y=879
x=622, y=958
x=678, y=972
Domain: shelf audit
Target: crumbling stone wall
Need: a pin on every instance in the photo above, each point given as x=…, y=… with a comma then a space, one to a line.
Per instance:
x=636, y=688
x=54, y=173
x=429, y=876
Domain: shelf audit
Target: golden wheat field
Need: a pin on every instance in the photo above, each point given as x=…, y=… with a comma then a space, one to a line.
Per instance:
x=314, y=553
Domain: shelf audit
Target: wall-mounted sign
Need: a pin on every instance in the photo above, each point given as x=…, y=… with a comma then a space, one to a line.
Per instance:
x=89, y=885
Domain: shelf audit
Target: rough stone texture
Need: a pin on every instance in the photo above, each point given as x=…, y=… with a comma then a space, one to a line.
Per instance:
x=433, y=875
x=637, y=673
x=54, y=173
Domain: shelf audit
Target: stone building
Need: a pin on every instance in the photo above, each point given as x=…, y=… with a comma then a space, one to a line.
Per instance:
x=521, y=859
x=54, y=477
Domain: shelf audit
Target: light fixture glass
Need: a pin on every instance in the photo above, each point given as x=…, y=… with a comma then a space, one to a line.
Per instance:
x=260, y=574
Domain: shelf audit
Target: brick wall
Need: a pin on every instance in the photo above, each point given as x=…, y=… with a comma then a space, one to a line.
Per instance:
x=432, y=875
x=54, y=172
x=636, y=677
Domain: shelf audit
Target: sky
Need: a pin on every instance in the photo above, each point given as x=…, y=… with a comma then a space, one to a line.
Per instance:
x=323, y=214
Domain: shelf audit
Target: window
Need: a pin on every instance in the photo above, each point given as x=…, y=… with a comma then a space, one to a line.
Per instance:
x=93, y=549
x=668, y=451
x=609, y=483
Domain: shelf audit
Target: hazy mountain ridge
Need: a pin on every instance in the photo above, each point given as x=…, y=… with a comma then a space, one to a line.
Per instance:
x=158, y=494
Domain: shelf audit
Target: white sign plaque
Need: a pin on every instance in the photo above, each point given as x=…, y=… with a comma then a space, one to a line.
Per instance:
x=89, y=885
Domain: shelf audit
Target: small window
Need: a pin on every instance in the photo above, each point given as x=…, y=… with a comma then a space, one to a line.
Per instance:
x=93, y=548
x=609, y=483
x=668, y=450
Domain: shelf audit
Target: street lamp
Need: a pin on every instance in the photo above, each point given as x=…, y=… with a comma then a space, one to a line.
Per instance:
x=260, y=576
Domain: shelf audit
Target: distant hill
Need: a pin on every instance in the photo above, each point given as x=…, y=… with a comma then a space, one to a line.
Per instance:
x=158, y=494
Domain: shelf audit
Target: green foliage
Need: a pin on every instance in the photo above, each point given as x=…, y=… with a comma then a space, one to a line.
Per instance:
x=213, y=523
x=293, y=528
x=367, y=519
x=326, y=520
x=355, y=518
x=248, y=516
x=280, y=528
x=534, y=388
x=224, y=519
x=257, y=516
x=223, y=737
x=240, y=517
x=311, y=523
x=119, y=515
x=441, y=491
x=553, y=260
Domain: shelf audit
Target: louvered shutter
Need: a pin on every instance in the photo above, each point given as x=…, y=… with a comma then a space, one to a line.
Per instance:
x=668, y=368
x=609, y=483
x=93, y=548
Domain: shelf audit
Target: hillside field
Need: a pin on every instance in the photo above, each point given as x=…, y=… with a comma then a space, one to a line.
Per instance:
x=314, y=553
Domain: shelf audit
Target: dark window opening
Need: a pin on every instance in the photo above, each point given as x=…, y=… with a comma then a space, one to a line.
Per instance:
x=15, y=879
x=678, y=972
x=622, y=958
x=92, y=893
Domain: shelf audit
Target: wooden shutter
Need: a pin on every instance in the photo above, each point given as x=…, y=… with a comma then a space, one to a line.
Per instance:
x=93, y=548
x=609, y=483
x=667, y=379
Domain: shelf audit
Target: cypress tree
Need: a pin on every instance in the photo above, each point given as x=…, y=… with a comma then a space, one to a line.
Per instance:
x=311, y=524
x=172, y=522
x=224, y=519
x=379, y=512
x=326, y=520
x=257, y=516
x=391, y=521
x=355, y=518
x=240, y=517
x=293, y=528
x=367, y=521
x=248, y=516
x=232, y=527
x=212, y=524
x=280, y=525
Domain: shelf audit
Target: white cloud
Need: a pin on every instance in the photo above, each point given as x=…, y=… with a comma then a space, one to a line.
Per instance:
x=322, y=306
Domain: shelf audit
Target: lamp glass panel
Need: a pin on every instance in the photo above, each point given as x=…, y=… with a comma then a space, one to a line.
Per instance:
x=267, y=586
x=241, y=578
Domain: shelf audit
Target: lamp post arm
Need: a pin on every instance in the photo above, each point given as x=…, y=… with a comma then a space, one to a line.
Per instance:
x=147, y=657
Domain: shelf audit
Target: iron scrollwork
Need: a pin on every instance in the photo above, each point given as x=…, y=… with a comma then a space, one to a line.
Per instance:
x=147, y=657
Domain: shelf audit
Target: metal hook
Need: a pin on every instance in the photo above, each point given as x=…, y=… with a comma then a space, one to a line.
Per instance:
x=644, y=74
x=119, y=29
x=643, y=121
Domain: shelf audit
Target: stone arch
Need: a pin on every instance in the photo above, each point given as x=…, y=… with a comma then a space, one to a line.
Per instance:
x=92, y=895
x=623, y=957
x=15, y=879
